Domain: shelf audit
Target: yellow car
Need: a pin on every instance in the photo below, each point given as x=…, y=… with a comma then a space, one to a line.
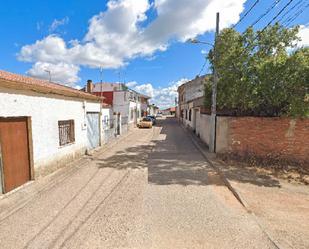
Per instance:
x=145, y=123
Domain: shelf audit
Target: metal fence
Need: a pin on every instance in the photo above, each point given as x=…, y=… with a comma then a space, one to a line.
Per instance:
x=112, y=129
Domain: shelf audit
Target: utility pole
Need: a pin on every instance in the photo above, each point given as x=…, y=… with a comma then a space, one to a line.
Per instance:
x=213, y=118
x=101, y=81
x=49, y=73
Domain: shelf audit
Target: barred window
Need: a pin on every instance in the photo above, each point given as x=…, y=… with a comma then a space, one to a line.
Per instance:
x=66, y=132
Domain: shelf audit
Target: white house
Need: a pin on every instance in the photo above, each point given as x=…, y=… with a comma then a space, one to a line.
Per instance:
x=153, y=110
x=130, y=104
x=190, y=100
x=43, y=126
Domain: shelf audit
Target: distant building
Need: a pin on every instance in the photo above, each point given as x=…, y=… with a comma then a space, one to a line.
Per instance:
x=130, y=104
x=191, y=100
x=169, y=111
x=153, y=110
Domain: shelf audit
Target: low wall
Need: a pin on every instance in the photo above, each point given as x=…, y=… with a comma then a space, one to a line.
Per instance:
x=203, y=127
x=278, y=138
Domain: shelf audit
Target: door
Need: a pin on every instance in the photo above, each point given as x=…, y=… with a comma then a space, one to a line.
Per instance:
x=14, y=154
x=93, y=129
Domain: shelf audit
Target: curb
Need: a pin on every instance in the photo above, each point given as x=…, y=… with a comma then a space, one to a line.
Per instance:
x=222, y=175
x=237, y=195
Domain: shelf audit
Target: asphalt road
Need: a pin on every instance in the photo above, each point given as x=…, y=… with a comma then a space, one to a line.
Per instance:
x=153, y=189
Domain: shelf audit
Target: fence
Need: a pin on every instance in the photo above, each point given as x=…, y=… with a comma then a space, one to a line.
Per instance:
x=112, y=129
x=277, y=139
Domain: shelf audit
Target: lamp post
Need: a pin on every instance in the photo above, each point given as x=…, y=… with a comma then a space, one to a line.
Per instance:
x=49, y=73
x=212, y=140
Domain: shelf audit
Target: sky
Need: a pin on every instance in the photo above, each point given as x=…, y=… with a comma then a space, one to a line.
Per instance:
x=142, y=43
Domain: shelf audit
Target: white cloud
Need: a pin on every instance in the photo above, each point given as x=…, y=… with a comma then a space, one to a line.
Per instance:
x=146, y=89
x=119, y=34
x=60, y=72
x=204, y=52
x=163, y=97
x=57, y=23
x=131, y=84
x=304, y=36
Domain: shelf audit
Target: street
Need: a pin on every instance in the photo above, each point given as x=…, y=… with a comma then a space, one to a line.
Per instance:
x=152, y=189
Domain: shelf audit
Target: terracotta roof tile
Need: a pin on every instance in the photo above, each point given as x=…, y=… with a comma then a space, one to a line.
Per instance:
x=25, y=82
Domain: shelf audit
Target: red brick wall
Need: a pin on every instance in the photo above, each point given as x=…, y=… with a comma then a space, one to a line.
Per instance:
x=108, y=97
x=270, y=137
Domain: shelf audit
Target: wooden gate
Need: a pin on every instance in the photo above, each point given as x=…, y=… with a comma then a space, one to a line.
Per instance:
x=14, y=153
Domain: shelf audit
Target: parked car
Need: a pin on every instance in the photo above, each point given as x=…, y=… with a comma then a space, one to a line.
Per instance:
x=159, y=115
x=145, y=123
x=153, y=118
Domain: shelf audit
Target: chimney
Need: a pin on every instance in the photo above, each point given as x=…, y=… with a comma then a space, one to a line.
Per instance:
x=89, y=87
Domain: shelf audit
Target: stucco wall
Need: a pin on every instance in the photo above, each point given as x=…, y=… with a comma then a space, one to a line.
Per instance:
x=45, y=112
x=194, y=89
x=203, y=127
x=121, y=103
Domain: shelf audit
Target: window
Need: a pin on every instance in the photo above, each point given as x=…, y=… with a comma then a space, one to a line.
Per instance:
x=186, y=114
x=131, y=114
x=190, y=114
x=66, y=132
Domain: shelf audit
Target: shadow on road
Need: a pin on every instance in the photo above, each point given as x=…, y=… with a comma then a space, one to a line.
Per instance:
x=240, y=172
x=172, y=158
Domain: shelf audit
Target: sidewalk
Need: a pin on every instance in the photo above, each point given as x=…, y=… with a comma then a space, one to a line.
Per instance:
x=17, y=199
x=281, y=208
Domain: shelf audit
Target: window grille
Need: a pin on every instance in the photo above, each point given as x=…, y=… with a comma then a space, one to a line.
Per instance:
x=66, y=132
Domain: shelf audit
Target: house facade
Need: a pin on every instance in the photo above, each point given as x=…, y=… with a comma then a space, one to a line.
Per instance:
x=130, y=104
x=153, y=110
x=43, y=126
x=190, y=101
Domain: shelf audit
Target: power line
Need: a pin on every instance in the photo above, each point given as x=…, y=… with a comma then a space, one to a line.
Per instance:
x=293, y=7
x=244, y=16
x=298, y=14
x=290, y=19
x=278, y=14
x=265, y=13
x=202, y=69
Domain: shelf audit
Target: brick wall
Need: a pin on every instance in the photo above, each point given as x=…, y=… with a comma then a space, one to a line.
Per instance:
x=280, y=138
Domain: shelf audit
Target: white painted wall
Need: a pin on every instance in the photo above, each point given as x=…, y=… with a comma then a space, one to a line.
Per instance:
x=45, y=112
x=203, y=127
x=121, y=103
x=106, y=87
x=124, y=104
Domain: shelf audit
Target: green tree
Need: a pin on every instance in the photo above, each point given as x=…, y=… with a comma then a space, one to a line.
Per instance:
x=258, y=73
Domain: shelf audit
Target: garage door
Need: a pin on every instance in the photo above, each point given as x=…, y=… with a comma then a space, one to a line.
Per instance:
x=14, y=152
x=93, y=130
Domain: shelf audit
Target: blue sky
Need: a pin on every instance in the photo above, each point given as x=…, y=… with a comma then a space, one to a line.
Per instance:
x=151, y=55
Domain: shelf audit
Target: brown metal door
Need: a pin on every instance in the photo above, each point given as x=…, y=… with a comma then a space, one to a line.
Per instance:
x=14, y=152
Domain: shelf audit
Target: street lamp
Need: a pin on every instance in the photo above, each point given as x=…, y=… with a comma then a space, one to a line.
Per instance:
x=195, y=41
x=49, y=73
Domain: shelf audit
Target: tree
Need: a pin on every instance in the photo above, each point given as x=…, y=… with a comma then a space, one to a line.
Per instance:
x=261, y=73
